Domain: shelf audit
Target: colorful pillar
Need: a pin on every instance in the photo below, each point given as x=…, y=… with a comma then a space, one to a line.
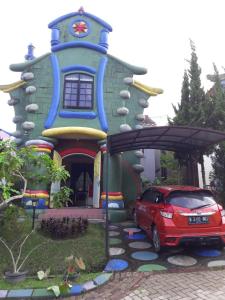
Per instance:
x=115, y=195
x=36, y=190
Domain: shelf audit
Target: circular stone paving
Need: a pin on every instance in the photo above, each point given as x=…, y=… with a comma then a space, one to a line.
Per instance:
x=182, y=260
x=136, y=236
x=114, y=241
x=207, y=252
x=116, y=265
x=144, y=255
x=132, y=229
x=128, y=224
x=140, y=245
x=216, y=263
x=116, y=251
x=113, y=227
x=113, y=233
x=151, y=267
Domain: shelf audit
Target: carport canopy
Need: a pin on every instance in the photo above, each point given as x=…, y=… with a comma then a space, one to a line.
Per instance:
x=171, y=138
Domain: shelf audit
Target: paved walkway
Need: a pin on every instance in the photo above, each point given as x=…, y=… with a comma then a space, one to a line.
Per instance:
x=207, y=284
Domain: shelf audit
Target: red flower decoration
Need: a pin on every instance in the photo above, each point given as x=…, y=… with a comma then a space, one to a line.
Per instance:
x=80, y=27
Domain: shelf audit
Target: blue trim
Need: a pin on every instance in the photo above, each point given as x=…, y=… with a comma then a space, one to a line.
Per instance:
x=62, y=18
x=79, y=68
x=71, y=30
x=56, y=92
x=103, y=41
x=100, y=93
x=77, y=115
x=73, y=44
x=55, y=36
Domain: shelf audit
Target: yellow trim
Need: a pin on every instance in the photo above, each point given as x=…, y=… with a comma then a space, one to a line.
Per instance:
x=12, y=86
x=147, y=89
x=38, y=195
x=75, y=132
x=103, y=197
x=42, y=150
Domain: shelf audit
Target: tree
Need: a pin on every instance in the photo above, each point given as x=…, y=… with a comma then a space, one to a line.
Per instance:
x=191, y=107
x=16, y=166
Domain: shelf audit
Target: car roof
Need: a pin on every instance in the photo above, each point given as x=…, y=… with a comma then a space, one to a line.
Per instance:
x=167, y=189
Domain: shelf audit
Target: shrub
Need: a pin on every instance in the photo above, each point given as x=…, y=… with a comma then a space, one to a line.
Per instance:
x=60, y=228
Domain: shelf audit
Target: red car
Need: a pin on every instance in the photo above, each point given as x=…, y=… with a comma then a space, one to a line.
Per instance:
x=175, y=215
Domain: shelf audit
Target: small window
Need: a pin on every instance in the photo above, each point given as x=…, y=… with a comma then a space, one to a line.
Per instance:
x=78, y=91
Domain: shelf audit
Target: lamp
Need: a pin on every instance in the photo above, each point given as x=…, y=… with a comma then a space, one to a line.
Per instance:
x=34, y=204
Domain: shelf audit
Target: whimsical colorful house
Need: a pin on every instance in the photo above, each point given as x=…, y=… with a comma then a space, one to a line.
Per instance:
x=69, y=100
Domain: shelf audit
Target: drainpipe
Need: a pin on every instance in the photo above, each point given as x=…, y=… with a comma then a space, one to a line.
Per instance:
x=107, y=202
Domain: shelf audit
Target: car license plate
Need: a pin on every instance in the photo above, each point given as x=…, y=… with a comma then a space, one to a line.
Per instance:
x=198, y=220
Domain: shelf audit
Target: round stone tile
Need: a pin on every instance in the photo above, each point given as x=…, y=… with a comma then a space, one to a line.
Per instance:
x=216, y=263
x=116, y=251
x=113, y=227
x=132, y=229
x=208, y=252
x=114, y=233
x=182, y=260
x=116, y=265
x=140, y=245
x=151, y=267
x=114, y=241
x=144, y=255
x=136, y=236
x=128, y=224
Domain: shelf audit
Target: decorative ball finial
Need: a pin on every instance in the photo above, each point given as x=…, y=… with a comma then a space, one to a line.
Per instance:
x=81, y=10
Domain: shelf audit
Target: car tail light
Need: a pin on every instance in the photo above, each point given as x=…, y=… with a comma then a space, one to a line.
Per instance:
x=167, y=213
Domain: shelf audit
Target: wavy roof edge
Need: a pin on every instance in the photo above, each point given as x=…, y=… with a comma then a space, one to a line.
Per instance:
x=74, y=14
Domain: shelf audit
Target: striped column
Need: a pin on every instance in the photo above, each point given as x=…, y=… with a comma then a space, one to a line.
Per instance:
x=38, y=190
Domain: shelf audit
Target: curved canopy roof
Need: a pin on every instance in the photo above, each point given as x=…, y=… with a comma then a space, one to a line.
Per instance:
x=172, y=138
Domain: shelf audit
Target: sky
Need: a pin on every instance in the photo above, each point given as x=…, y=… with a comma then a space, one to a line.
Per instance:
x=150, y=33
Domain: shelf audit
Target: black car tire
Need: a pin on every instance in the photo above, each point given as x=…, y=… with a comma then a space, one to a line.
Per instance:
x=156, y=239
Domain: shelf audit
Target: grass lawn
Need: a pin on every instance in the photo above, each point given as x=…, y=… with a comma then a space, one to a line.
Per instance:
x=90, y=246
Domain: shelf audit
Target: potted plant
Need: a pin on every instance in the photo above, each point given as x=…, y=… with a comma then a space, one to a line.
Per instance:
x=73, y=266
x=15, y=274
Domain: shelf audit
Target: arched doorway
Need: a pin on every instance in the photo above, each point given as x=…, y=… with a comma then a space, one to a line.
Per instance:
x=81, y=169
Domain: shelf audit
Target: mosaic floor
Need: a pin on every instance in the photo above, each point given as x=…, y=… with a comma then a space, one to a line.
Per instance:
x=130, y=249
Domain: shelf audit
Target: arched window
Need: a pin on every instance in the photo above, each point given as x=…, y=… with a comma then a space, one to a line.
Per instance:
x=78, y=91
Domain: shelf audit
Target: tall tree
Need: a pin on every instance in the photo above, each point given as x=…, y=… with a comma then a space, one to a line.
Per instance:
x=189, y=111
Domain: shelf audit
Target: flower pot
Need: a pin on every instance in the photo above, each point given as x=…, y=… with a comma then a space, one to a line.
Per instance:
x=15, y=277
x=71, y=277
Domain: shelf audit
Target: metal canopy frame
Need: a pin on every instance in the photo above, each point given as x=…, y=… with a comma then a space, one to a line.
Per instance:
x=171, y=138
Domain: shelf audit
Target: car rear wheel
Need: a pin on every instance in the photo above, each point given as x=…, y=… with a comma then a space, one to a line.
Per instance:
x=156, y=239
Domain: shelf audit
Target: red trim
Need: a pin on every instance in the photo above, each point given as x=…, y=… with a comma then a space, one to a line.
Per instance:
x=36, y=191
x=41, y=146
x=86, y=151
x=112, y=193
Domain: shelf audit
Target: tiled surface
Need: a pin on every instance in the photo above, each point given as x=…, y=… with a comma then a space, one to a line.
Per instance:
x=20, y=293
x=41, y=293
x=3, y=293
x=103, y=278
x=89, y=285
x=116, y=265
x=76, y=289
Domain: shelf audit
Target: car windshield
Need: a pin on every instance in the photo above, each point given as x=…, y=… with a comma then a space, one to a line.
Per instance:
x=191, y=200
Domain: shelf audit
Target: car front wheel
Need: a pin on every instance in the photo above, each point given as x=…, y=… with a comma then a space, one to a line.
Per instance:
x=156, y=239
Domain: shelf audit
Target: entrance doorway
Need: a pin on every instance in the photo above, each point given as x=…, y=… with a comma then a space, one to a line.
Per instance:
x=81, y=169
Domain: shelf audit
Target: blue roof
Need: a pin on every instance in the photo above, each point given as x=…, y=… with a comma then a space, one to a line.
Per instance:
x=74, y=14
